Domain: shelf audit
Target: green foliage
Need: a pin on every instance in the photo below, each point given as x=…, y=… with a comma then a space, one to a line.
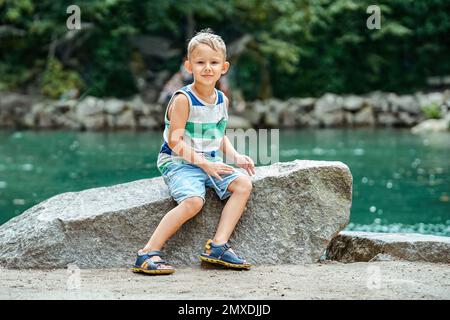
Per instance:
x=56, y=80
x=299, y=47
x=432, y=111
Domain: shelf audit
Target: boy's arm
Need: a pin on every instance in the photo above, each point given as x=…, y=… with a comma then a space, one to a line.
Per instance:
x=225, y=145
x=178, y=115
x=228, y=150
x=240, y=160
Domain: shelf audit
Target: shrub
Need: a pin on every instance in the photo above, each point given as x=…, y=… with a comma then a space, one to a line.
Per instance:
x=56, y=80
x=432, y=111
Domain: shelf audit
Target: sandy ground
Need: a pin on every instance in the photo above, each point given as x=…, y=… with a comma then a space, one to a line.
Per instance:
x=329, y=280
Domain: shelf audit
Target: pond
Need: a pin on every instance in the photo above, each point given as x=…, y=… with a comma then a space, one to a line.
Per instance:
x=401, y=182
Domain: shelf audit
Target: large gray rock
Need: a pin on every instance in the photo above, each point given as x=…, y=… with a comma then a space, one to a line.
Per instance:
x=294, y=211
x=432, y=125
x=350, y=246
x=329, y=110
x=328, y=103
x=364, y=117
x=237, y=122
x=13, y=109
x=406, y=103
x=353, y=103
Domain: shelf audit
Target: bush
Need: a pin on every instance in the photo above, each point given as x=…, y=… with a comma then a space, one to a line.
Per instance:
x=432, y=111
x=56, y=80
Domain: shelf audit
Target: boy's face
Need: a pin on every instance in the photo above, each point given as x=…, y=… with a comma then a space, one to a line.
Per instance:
x=206, y=64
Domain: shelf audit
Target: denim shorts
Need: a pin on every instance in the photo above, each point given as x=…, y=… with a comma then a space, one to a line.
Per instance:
x=188, y=180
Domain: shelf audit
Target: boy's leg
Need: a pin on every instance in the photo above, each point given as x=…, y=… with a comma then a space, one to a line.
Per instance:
x=171, y=222
x=240, y=189
x=187, y=187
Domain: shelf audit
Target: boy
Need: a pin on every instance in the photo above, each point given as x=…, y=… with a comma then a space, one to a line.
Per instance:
x=196, y=119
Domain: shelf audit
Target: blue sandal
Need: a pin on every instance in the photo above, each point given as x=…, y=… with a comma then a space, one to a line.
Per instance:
x=221, y=254
x=143, y=264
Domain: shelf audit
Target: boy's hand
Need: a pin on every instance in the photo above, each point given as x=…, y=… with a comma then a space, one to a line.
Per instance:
x=245, y=162
x=216, y=169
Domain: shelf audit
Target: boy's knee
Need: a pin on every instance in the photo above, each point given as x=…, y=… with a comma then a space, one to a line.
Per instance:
x=243, y=185
x=193, y=204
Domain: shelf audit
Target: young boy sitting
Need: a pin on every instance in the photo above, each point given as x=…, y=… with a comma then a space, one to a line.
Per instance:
x=196, y=118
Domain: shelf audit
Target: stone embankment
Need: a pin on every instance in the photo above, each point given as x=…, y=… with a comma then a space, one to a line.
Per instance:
x=376, y=109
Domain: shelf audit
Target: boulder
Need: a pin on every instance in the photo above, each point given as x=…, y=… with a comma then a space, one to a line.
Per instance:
x=274, y=111
x=432, y=125
x=295, y=110
x=237, y=122
x=353, y=103
x=64, y=106
x=332, y=119
x=350, y=246
x=329, y=110
x=125, y=120
x=386, y=119
x=295, y=209
x=426, y=99
x=255, y=112
x=329, y=102
x=364, y=116
x=114, y=106
x=406, y=119
x=309, y=120
x=379, y=101
x=148, y=123
x=407, y=103
x=302, y=105
x=94, y=122
x=13, y=108
x=89, y=106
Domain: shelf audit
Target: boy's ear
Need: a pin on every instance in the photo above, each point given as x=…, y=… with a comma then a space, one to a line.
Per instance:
x=225, y=67
x=187, y=66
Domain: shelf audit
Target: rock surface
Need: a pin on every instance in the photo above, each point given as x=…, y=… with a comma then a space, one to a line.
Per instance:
x=295, y=209
x=351, y=246
x=432, y=125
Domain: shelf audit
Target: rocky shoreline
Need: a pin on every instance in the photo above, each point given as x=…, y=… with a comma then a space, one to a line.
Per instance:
x=376, y=109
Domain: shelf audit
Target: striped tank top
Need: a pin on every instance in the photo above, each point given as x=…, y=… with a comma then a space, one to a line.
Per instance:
x=204, y=130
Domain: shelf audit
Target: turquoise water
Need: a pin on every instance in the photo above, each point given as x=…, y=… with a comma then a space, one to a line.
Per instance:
x=401, y=182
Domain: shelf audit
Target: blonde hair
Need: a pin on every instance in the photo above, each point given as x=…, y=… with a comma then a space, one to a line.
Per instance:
x=207, y=36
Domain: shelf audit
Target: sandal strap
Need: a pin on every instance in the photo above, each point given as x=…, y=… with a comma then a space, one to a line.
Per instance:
x=223, y=249
x=222, y=252
x=143, y=260
x=156, y=262
x=155, y=253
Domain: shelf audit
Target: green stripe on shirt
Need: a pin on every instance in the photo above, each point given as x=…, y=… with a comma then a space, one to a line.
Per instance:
x=209, y=131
